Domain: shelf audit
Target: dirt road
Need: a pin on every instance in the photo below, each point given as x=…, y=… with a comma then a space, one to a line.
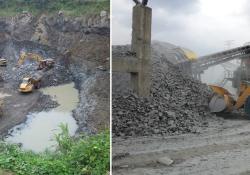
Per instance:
x=223, y=148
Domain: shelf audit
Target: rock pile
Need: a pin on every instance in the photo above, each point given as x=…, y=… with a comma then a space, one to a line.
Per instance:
x=177, y=103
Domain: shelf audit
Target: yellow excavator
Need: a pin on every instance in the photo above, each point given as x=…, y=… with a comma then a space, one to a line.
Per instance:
x=224, y=101
x=42, y=63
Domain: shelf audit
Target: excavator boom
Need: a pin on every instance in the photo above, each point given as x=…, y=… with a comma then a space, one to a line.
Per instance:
x=244, y=93
x=42, y=63
x=32, y=56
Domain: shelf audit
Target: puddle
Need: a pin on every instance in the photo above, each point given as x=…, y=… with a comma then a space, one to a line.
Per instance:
x=38, y=133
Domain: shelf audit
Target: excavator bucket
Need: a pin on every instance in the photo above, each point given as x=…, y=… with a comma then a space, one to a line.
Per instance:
x=221, y=101
x=217, y=104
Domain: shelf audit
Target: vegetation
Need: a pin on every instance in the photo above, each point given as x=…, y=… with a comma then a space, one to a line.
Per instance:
x=87, y=155
x=69, y=7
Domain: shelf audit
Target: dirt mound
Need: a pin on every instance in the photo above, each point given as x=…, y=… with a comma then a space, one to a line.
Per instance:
x=177, y=103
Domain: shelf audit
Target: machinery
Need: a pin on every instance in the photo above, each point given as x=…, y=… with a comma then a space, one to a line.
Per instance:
x=30, y=83
x=43, y=63
x=3, y=62
x=223, y=101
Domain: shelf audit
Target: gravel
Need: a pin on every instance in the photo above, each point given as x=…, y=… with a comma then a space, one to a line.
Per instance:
x=177, y=103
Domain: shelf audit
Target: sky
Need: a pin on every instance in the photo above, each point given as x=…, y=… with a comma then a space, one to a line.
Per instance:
x=203, y=26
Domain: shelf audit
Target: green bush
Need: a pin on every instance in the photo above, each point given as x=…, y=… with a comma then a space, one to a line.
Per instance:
x=87, y=155
x=71, y=8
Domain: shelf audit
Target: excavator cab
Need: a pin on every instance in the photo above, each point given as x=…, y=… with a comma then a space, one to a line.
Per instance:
x=47, y=63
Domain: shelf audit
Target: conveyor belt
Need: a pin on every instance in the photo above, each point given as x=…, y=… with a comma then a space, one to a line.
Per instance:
x=204, y=62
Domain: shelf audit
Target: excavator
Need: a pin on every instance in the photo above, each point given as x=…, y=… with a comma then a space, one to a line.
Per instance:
x=223, y=101
x=43, y=63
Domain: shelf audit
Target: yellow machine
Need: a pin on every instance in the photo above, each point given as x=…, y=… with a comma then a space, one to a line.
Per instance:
x=43, y=63
x=30, y=83
x=3, y=62
x=191, y=56
x=223, y=101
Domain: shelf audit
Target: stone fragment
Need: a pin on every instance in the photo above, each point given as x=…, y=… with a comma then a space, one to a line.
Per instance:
x=165, y=161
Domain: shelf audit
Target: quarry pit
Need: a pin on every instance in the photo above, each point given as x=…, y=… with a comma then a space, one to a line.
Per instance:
x=80, y=50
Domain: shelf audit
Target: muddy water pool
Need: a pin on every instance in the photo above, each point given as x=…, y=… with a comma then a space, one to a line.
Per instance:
x=38, y=132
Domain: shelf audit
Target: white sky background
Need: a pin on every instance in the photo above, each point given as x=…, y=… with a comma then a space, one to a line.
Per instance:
x=200, y=25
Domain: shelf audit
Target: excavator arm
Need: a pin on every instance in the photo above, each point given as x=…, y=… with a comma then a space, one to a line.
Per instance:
x=244, y=93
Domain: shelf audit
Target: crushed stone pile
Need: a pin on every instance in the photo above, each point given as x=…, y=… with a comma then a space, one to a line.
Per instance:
x=177, y=104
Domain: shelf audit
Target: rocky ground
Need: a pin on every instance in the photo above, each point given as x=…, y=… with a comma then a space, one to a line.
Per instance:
x=177, y=103
x=172, y=131
x=222, y=148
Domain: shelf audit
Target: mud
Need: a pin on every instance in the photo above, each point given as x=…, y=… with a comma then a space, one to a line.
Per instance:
x=15, y=107
x=223, y=148
x=43, y=126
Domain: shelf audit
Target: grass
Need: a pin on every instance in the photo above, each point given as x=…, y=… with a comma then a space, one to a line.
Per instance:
x=87, y=155
x=70, y=8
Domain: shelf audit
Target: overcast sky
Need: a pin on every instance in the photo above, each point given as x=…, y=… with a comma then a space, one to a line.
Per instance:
x=200, y=25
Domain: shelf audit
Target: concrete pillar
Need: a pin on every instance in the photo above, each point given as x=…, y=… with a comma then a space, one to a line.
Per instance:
x=199, y=77
x=141, y=45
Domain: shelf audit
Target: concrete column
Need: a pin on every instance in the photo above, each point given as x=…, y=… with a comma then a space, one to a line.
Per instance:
x=199, y=77
x=141, y=45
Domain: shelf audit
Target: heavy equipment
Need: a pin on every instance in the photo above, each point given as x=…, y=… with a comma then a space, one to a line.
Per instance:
x=42, y=63
x=3, y=62
x=224, y=101
x=30, y=83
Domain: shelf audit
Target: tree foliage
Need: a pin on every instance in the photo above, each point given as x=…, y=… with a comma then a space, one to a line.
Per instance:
x=73, y=7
